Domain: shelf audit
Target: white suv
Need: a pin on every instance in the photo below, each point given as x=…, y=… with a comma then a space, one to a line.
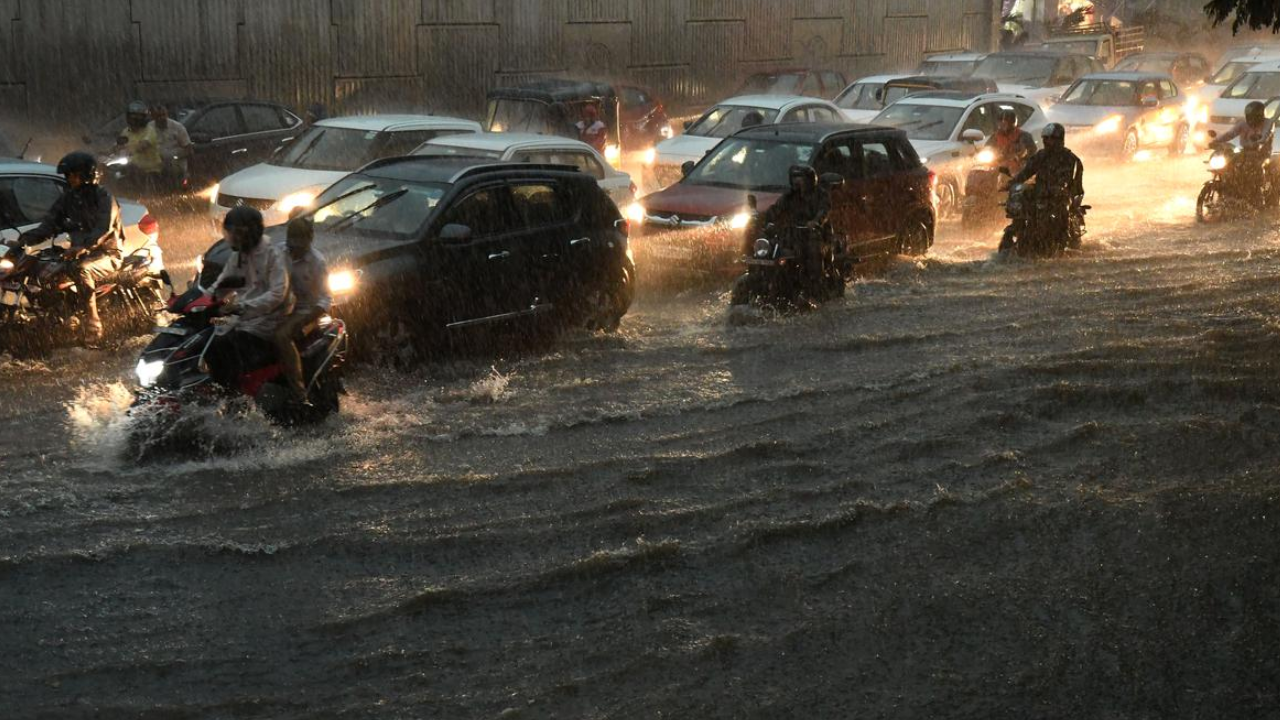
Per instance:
x=533, y=148
x=323, y=154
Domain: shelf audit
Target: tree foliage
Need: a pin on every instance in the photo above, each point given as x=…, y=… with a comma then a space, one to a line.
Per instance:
x=1254, y=14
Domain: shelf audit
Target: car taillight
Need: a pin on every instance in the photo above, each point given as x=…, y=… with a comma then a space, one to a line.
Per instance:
x=148, y=225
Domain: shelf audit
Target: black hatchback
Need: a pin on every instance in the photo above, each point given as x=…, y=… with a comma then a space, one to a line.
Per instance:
x=438, y=245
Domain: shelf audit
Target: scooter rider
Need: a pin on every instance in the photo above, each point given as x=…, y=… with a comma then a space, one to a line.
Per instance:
x=308, y=277
x=806, y=205
x=1055, y=167
x=1012, y=145
x=1255, y=132
x=174, y=144
x=90, y=216
x=262, y=302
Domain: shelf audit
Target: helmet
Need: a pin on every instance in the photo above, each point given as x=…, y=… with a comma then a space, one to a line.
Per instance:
x=136, y=115
x=1255, y=112
x=244, y=222
x=1054, y=131
x=803, y=171
x=1009, y=115
x=81, y=163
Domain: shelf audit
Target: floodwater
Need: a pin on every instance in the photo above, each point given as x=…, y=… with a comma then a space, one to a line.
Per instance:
x=973, y=488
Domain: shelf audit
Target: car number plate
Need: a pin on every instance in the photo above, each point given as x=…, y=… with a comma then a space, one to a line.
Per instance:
x=672, y=253
x=180, y=332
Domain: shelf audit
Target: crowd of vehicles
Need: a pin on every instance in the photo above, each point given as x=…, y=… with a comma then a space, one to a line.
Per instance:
x=532, y=219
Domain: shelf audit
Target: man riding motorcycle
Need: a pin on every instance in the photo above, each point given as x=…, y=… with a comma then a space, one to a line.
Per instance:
x=140, y=144
x=174, y=144
x=1057, y=171
x=308, y=278
x=806, y=204
x=1012, y=145
x=1256, y=134
x=262, y=301
x=90, y=216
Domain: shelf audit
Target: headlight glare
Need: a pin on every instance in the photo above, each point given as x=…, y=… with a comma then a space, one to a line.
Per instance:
x=1108, y=126
x=297, y=200
x=987, y=156
x=612, y=153
x=636, y=213
x=740, y=221
x=343, y=282
x=149, y=372
x=650, y=156
x=1217, y=162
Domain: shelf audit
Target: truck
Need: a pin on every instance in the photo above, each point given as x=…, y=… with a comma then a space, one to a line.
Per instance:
x=1099, y=40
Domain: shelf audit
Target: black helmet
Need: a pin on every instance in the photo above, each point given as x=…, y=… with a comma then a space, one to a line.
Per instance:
x=1009, y=115
x=81, y=163
x=804, y=171
x=136, y=115
x=1255, y=112
x=245, y=222
x=1054, y=131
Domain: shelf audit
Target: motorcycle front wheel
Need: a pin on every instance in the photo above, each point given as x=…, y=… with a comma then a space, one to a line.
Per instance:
x=1210, y=206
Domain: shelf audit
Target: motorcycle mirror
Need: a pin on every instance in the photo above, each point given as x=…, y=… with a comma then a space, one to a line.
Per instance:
x=832, y=180
x=455, y=232
x=687, y=167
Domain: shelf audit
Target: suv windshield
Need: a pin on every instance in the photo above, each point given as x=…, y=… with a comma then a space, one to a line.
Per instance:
x=725, y=120
x=1110, y=93
x=330, y=148
x=1230, y=72
x=749, y=164
x=921, y=122
x=1254, y=86
x=1018, y=69
x=770, y=84
x=1145, y=64
x=378, y=207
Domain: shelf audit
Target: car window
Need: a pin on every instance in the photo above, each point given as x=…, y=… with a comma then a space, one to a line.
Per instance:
x=1167, y=89
x=876, y=160
x=580, y=159
x=725, y=120
x=484, y=211
x=812, y=85
x=838, y=158
x=823, y=114
x=26, y=200
x=1024, y=112
x=800, y=114
x=403, y=142
x=261, y=118
x=218, y=122
x=539, y=205
x=861, y=96
x=983, y=119
x=634, y=97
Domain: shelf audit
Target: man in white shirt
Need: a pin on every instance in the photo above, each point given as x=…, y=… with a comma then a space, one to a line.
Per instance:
x=174, y=144
x=309, y=279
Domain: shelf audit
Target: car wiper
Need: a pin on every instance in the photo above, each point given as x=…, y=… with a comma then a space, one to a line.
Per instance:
x=355, y=217
x=351, y=193
x=311, y=146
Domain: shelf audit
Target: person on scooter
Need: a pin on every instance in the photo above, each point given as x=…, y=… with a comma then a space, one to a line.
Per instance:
x=1056, y=169
x=1012, y=145
x=309, y=279
x=140, y=145
x=174, y=144
x=591, y=129
x=1255, y=132
x=261, y=274
x=90, y=216
x=804, y=205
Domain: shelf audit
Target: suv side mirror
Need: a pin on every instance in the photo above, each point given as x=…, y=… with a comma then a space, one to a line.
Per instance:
x=687, y=167
x=832, y=180
x=455, y=233
x=972, y=135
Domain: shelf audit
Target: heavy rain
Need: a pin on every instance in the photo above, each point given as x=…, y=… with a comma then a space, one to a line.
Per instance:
x=662, y=359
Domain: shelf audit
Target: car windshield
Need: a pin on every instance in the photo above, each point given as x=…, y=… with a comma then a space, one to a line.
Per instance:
x=724, y=120
x=945, y=68
x=1018, y=69
x=1139, y=63
x=1254, y=86
x=771, y=84
x=750, y=164
x=1109, y=93
x=529, y=116
x=434, y=150
x=1230, y=72
x=921, y=122
x=378, y=207
x=894, y=93
x=330, y=148
x=861, y=96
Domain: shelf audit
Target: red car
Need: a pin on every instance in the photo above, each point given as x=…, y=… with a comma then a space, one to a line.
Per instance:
x=886, y=203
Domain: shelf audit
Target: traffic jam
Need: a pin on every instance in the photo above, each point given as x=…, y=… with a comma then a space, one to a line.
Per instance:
x=422, y=234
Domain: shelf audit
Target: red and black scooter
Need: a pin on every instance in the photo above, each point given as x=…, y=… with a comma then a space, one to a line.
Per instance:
x=172, y=372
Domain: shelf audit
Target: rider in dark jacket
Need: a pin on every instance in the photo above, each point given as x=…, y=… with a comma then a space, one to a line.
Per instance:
x=1055, y=168
x=805, y=204
x=90, y=216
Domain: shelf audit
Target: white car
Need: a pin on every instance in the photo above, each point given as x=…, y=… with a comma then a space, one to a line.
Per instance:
x=1229, y=72
x=948, y=129
x=702, y=135
x=864, y=98
x=533, y=148
x=1260, y=82
x=324, y=154
x=1038, y=75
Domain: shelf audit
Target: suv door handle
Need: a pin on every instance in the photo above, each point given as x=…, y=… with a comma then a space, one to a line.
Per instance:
x=241, y=150
x=579, y=241
x=500, y=256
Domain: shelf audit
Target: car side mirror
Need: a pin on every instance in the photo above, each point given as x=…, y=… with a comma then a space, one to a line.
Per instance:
x=832, y=180
x=687, y=167
x=972, y=136
x=455, y=233
x=200, y=138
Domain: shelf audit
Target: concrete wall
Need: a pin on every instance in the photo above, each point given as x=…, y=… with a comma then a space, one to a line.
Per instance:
x=78, y=58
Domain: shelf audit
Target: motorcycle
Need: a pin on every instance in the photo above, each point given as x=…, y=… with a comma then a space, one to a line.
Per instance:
x=172, y=372
x=981, y=208
x=38, y=292
x=1043, y=222
x=121, y=176
x=1241, y=182
x=792, y=267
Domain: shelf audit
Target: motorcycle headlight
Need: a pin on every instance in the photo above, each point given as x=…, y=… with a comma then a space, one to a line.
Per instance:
x=1218, y=162
x=740, y=221
x=636, y=213
x=763, y=248
x=343, y=282
x=149, y=372
x=667, y=132
x=650, y=156
x=118, y=162
x=987, y=156
x=289, y=203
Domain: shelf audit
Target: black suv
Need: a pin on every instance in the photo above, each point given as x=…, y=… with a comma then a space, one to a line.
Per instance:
x=884, y=204
x=442, y=244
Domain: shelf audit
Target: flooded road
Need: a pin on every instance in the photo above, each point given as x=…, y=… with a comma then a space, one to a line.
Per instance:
x=972, y=488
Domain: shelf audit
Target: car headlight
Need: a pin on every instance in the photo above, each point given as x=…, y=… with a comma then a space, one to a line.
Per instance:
x=343, y=282
x=636, y=213
x=740, y=221
x=1218, y=162
x=1108, y=126
x=667, y=132
x=650, y=156
x=612, y=153
x=987, y=156
x=212, y=194
x=297, y=200
x=149, y=372
x=924, y=161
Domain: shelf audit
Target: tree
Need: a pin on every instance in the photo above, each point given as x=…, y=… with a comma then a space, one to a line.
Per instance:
x=1255, y=14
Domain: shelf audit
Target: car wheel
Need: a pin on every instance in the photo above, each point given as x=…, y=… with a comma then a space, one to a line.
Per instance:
x=948, y=200
x=915, y=238
x=608, y=303
x=1130, y=148
x=1181, y=142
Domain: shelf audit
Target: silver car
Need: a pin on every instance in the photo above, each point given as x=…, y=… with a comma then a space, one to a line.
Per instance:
x=1124, y=115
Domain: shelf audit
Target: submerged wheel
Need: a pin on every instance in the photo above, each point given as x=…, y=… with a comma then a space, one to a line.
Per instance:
x=1129, y=150
x=948, y=200
x=608, y=304
x=915, y=238
x=1181, y=142
x=1210, y=205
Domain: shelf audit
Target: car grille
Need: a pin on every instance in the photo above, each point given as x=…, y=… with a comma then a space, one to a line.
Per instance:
x=231, y=201
x=1223, y=120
